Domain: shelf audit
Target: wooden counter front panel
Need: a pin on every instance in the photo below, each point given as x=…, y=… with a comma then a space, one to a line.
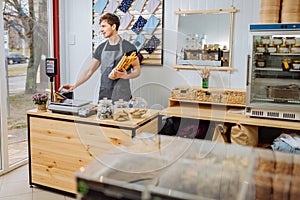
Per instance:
x=151, y=127
x=58, y=149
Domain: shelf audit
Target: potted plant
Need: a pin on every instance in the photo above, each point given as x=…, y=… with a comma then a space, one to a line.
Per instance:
x=40, y=99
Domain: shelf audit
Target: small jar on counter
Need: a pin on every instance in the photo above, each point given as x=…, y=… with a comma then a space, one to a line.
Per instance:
x=105, y=109
x=138, y=107
x=121, y=111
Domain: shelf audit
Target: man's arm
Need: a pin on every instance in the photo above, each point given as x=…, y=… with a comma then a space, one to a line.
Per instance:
x=94, y=65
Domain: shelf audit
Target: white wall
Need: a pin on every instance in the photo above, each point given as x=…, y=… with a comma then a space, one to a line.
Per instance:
x=155, y=83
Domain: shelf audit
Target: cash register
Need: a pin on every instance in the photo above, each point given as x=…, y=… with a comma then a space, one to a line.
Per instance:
x=62, y=101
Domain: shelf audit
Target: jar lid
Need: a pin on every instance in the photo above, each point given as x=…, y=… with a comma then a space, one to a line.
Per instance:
x=105, y=101
x=287, y=60
x=121, y=102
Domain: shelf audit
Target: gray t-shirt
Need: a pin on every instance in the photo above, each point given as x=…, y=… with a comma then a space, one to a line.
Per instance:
x=127, y=48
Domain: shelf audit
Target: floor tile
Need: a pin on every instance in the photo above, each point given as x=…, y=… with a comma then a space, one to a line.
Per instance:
x=15, y=186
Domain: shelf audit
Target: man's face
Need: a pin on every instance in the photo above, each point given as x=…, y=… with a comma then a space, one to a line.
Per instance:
x=106, y=29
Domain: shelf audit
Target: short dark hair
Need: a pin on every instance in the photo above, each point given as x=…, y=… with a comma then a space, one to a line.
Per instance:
x=111, y=19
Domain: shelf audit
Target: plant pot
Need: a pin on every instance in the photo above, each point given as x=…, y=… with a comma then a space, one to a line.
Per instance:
x=41, y=107
x=204, y=82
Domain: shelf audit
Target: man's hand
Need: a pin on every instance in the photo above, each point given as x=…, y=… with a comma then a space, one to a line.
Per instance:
x=120, y=74
x=69, y=88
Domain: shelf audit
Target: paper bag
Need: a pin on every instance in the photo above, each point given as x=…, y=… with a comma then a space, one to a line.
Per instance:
x=246, y=135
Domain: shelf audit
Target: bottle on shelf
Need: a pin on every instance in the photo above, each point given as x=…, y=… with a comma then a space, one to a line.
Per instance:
x=203, y=41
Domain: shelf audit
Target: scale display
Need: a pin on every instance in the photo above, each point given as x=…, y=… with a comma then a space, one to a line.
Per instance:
x=51, y=67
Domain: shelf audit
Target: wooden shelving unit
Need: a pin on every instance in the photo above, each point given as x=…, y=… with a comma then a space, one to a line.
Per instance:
x=187, y=67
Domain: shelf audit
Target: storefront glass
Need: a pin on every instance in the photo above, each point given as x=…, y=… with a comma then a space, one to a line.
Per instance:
x=26, y=47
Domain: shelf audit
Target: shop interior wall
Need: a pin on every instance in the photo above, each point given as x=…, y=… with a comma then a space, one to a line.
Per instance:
x=155, y=82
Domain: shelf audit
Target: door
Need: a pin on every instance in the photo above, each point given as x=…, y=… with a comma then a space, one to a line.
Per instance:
x=26, y=31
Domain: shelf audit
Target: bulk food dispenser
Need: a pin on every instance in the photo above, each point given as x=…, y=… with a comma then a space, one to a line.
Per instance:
x=273, y=71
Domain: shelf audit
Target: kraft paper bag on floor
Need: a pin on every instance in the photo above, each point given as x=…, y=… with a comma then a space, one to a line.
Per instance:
x=244, y=135
x=221, y=133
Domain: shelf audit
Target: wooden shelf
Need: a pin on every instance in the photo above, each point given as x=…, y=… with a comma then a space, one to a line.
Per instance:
x=223, y=114
x=176, y=102
x=187, y=67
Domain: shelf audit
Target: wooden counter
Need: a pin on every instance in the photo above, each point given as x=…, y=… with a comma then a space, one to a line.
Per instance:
x=222, y=114
x=59, y=145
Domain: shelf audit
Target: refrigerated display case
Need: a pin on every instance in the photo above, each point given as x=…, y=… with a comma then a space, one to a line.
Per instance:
x=273, y=78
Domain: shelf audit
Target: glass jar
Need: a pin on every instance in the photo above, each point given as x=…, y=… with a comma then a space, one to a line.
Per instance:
x=105, y=109
x=283, y=49
x=121, y=111
x=290, y=40
x=277, y=40
x=260, y=62
x=138, y=107
x=265, y=39
x=295, y=48
x=296, y=64
x=260, y=48
x=271, y=48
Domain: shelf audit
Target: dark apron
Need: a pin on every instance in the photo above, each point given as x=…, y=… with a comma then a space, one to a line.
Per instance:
x=112, y=89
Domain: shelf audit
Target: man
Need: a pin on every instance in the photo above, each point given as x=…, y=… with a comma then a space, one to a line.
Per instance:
x=107, y=56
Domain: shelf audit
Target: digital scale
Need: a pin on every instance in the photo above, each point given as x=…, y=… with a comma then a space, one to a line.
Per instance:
x=82, y=108
x=67, y=105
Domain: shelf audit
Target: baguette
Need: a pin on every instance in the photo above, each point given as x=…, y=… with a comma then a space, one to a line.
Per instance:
x=124, y=63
